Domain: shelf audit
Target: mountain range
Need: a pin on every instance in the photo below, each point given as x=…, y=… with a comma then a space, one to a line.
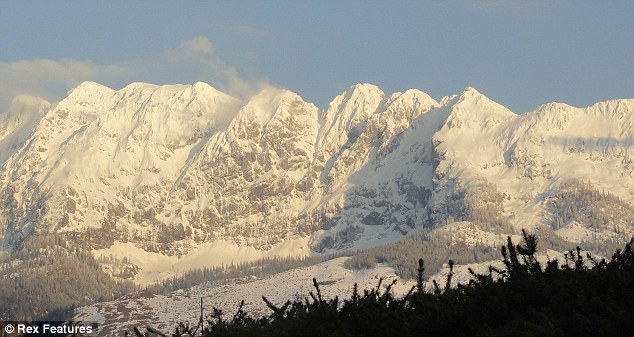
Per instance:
x=174, y=177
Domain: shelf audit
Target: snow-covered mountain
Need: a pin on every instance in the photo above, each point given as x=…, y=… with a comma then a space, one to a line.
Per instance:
x=180, y=176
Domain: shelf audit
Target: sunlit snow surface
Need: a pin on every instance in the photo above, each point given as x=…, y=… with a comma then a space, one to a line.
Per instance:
x=165, y=311
x=157, y=266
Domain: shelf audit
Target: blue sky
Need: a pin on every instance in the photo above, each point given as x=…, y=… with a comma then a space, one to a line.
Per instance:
x=519, y=53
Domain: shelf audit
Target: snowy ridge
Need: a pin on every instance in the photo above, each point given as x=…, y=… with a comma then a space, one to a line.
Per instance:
x=168, y=169
x=346, y=112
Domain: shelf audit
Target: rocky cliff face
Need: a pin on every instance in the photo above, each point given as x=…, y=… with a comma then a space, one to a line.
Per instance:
x=167, y=169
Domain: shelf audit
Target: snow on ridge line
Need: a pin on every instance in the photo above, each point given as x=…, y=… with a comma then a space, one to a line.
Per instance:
x=366, y=90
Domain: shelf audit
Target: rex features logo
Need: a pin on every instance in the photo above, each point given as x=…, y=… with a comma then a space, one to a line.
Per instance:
x=48, y=329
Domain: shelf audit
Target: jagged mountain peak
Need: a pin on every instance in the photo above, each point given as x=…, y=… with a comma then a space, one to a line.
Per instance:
x=363, y=89
x=470, y=94
x=263, y=106
x=411, y=97
x=471, y=99
x=171, y=115
x=163, y=92
x=89, y=86
x=555, y=107
x=88, y=98
x=618, y=107
x=360, y=96
x=614, y=118
x=473, y=110
x=349, y=110
x=203, y=87
x=470, y=91
x=141, y=86
x=87, y=93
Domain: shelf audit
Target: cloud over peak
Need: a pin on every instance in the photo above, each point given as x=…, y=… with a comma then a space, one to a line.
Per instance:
x=192, y=60
x=197, y=46
x=50, y=78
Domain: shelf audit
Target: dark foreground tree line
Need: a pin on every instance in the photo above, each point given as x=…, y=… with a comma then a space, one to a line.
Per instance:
x=581, y=296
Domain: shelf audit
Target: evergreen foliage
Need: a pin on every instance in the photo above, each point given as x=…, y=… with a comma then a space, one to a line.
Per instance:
x=482, y=204
x=581, y=202
x=242, y=271
x=561, y=298
x=483, y=207
x=404, y=254
x=47, y=277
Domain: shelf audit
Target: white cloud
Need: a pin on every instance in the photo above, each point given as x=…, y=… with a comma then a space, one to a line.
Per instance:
x=195, y=47
x=192, y=60
x=196, y=59
x=49, y=78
